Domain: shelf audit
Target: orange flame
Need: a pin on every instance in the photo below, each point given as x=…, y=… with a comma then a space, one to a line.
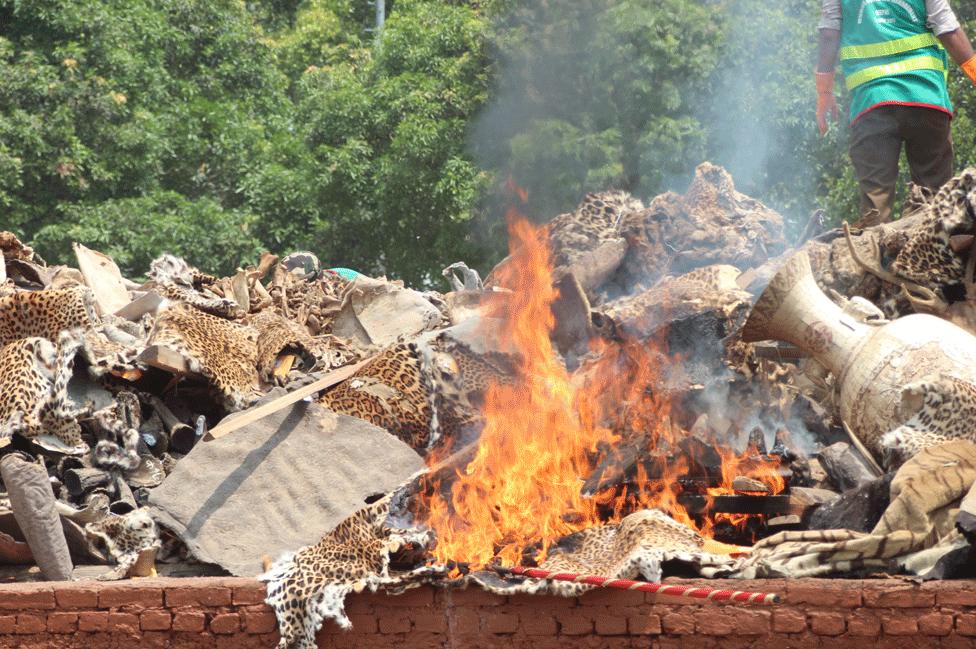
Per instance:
x=546, y=433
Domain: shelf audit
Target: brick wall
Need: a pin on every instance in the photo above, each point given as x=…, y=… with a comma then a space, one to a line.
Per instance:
x=224, y=612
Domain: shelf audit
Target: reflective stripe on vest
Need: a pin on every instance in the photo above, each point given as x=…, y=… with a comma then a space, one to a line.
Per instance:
x=889, y=48
x=899, y=67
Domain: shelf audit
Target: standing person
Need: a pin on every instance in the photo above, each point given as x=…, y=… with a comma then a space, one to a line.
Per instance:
x=893, y=56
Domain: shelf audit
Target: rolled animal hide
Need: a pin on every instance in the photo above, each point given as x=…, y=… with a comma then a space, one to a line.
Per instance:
x=33, y=504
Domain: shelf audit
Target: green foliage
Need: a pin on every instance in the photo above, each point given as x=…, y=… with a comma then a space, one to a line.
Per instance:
x=133, y=231
x=594, y=95
x=215, y=129
x=108, y=101
x=382, y=181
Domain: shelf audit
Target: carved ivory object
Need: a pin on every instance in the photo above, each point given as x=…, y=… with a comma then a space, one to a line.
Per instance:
x=871, y=363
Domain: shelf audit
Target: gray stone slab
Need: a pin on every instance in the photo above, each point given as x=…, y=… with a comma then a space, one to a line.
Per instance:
x=278, y=484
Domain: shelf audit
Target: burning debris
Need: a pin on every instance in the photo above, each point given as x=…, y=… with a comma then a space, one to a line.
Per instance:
x=609, y=400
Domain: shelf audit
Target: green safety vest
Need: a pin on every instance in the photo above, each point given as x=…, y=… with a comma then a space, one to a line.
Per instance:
x=889, y=56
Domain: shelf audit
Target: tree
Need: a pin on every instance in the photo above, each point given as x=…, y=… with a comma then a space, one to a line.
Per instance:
x=382, y=181
x=595, y=94
x=123, y=103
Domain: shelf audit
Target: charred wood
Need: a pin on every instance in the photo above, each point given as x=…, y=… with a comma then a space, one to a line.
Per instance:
x=845, y=466
x=857, y=509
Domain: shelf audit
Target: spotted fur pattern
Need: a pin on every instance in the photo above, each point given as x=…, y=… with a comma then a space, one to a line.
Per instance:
x=178, y=281
x=595, y=220
x=45, y=314
x=125, y=538
x=309, y=586
x=110, y=348
x=636, y=546
x=927, y=257
x=34, y=403
x=421, y=392
x=459, y=379
x=224, y=352
x=948, y=412
x=276, y=334
x=391, y=392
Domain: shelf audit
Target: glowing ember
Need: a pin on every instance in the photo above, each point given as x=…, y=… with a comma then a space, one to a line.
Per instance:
x=546, y=433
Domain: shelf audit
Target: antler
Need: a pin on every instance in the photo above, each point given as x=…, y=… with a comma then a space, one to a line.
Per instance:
x=924, y=299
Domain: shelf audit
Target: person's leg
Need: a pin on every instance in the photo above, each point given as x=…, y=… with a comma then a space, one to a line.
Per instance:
x=928, y=144
x=875, y=148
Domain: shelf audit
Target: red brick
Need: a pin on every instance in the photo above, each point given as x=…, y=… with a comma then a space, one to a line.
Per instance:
x=966, y=624
x=541, y=602
x=788, y=620
x=62, y=622
x=432, y=622
x=902, y=597
x=197, y=596
x=613, y=597
x=28, y=623
x=863, y=625
x=225, y=623
x=18, y=597
x=92, y=621
x=249, y=595
x=538, y=624
x=123, y=623
x=826, y=593
x=642, y=624
x=76, y=596
x=7, y=624
x=415, y=598
x=125, y=594
x=157, y=620
x=259, y=619
x=155, y=640
x=465, y=621
x=498, y=621
x=394, y=624
x=935, y=624
x=191, y=621
x=361, y=625
x=955, y=641
x=678, y=623
x=826, y=623
x=802, y=641
x=960, y=597
x=714, y=622
x=899, y=624
x=701, y=642
x=574, y=624
x=474, y=598
x=752, y=622
x=606, y=624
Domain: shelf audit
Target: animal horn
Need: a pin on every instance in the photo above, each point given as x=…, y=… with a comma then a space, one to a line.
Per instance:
x=929, y=301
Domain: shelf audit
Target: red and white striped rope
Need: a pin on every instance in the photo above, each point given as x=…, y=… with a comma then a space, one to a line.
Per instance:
x=692, y=592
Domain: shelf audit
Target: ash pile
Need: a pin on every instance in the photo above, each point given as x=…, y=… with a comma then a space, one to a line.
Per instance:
x=711, y=387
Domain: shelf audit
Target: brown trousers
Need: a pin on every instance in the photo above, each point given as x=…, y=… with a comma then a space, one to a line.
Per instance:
x=876, y=139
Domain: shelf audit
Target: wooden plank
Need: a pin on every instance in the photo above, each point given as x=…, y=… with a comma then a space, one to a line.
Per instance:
x=104, y=279
x=164, y=358
x=259, y=412
x=146, y=303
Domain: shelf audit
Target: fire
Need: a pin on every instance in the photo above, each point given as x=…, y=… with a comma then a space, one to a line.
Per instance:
x=546, y=433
